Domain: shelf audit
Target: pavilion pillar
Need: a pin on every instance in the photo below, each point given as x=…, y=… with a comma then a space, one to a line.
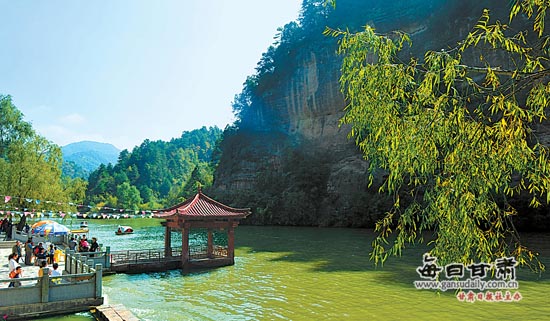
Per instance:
x=167, y=241
x=185, y=246
x=231, y=243
x=210, y=249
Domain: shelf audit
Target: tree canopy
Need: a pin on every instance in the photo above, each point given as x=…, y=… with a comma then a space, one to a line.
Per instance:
x=156, y=173
x=30, y=166
x=454, y=130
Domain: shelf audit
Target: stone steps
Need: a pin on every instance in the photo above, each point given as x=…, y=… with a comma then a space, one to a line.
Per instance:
x=6, y=244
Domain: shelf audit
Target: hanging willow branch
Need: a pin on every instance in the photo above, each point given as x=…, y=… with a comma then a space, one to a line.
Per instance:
x=461, y=145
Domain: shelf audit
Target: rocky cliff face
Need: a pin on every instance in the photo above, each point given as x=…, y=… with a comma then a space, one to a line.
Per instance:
x=301, y=113
x=304, y=113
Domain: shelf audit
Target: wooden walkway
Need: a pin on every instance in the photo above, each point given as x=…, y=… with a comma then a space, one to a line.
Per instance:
x=116, y=312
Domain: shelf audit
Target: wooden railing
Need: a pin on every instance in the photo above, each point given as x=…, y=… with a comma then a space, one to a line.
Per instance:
x=127, y=260
x=201, y=252
x=157, y=255
x=140, y=256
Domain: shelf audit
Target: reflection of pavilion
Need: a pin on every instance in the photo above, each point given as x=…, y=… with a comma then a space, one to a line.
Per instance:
x=202, y=212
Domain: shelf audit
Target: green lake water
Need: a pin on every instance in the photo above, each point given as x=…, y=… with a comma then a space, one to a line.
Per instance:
x=286, y=273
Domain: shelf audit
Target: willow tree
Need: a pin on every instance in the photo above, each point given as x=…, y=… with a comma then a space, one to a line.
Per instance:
x=454, y=131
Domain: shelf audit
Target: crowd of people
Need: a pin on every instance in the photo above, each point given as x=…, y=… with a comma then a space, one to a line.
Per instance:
x=43, y=255
x=81, y=244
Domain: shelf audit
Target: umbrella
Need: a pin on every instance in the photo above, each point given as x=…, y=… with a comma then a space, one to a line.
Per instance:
x=49, y=227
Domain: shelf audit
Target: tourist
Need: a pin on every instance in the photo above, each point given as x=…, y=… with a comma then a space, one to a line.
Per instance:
x=4, y=225
x=8, y=230
x=43, y=265
x=84, y=246
x=15, y=274
x=95, y=246
x=37, y=249
x=41, y=256
x=55, y=272
x=50, y=254
x=58, y=255
x=13, y=261
x=17, y=249
x=72, y=244
x=28, y=252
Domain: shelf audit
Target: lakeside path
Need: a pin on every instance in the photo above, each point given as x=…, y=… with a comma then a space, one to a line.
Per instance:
x=29, y=271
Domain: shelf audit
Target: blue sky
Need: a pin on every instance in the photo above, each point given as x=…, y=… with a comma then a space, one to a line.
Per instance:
x=122, y=71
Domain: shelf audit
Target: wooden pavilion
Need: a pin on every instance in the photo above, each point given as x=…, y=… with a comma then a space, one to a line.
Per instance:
x=202, y=212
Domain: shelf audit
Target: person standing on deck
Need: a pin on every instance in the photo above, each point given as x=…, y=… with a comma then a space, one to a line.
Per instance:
x=72, y=244
x=13, y=261
x=41, y=256
x=15, y=274
x=4, y=225
x=50, y=254
x=37, y=249
x=28, y=252
x=95, y=246
x=16, y=249
x=8, y=230
x=84, y=246
x=58, y=255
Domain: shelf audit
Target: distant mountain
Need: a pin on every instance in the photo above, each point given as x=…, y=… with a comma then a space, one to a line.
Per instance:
x=82, y=158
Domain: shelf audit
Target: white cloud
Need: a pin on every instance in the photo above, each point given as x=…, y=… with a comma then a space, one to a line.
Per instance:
x=72, y=119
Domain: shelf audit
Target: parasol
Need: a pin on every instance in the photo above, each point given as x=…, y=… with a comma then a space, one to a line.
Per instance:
x=49, y=227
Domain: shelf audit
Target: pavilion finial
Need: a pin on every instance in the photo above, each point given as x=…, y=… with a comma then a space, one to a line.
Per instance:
x=199, y=188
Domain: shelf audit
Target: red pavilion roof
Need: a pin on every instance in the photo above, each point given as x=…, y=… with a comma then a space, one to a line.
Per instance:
x=202, y=207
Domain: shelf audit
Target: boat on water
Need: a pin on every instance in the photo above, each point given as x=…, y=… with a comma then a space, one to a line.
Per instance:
x=83, y=224
x=80, y=232
x=124, y=230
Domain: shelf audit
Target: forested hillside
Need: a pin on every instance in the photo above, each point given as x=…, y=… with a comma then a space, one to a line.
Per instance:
x=156, y=173
x=153, y=175
x=81, y=158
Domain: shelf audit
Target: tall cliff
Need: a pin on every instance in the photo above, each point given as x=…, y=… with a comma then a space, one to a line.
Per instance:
x=288, y=157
